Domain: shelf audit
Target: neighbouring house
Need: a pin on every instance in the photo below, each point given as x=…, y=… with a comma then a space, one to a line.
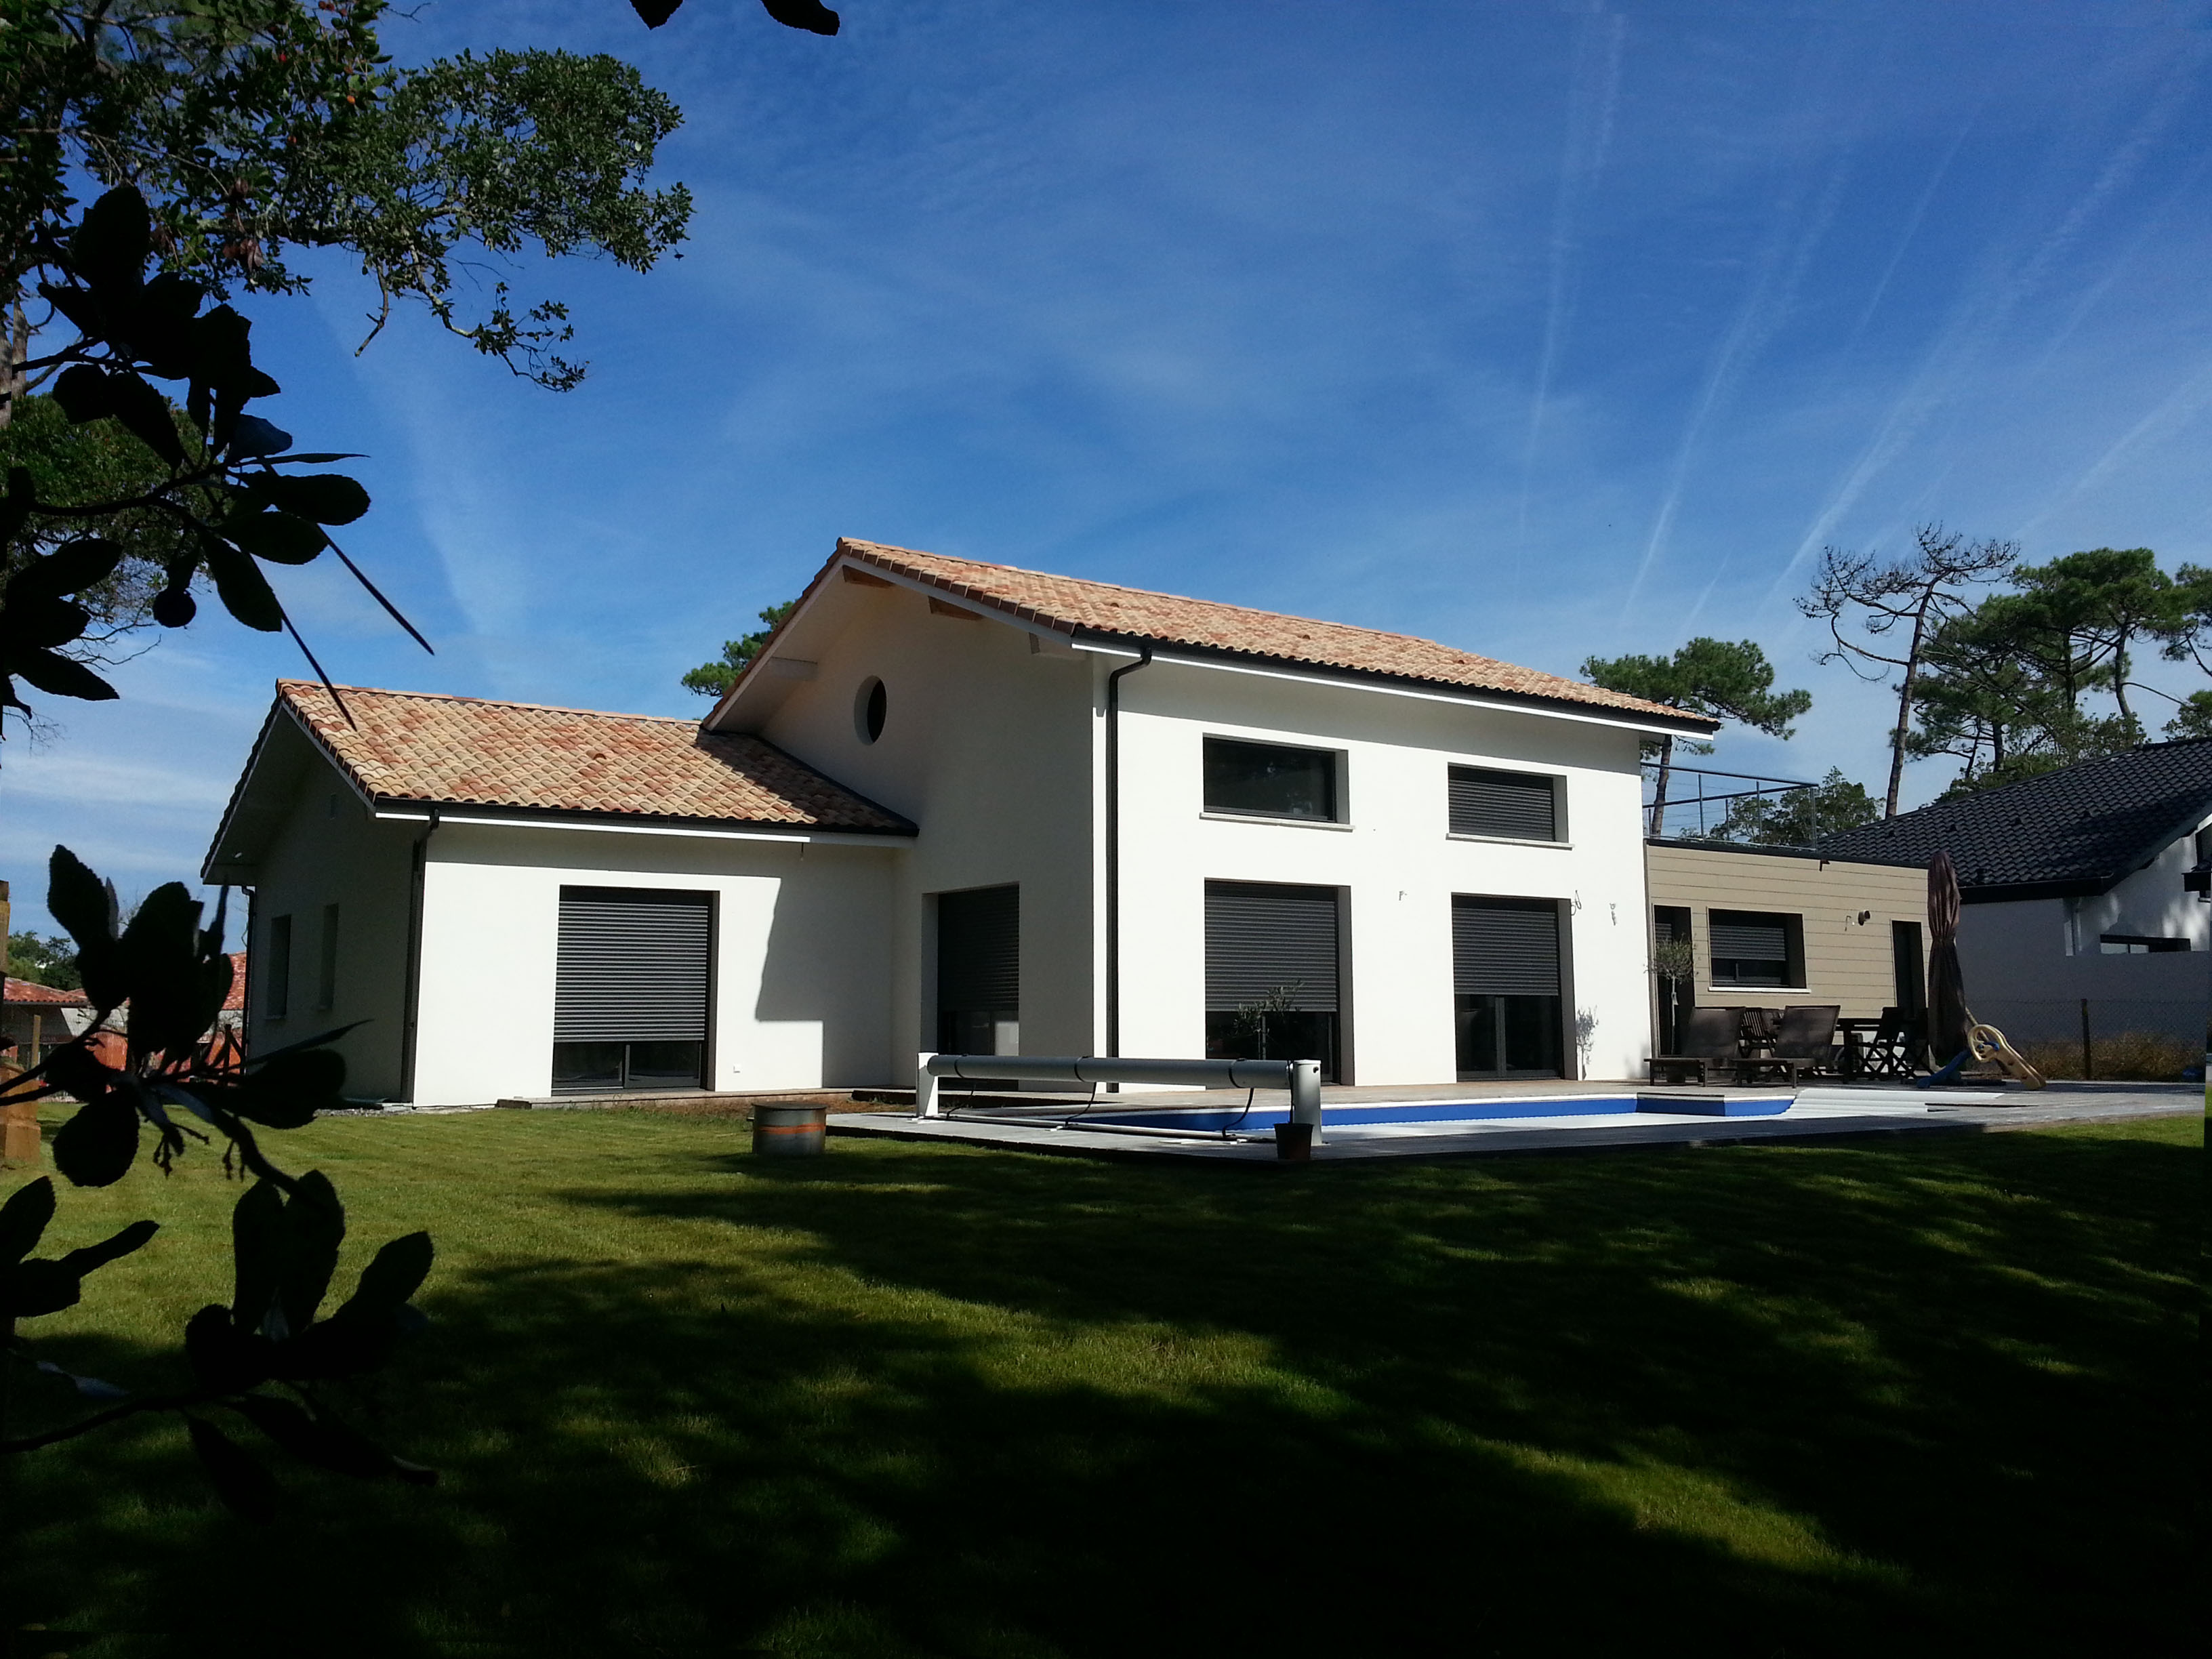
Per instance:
x=36, y=1017
x=2085, y=891
x=40, y=1015
x=1774, y=927
x=962, y=806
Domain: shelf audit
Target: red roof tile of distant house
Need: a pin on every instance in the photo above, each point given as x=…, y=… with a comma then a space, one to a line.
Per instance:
x=27, y=991
x=1103, y=609
x=416, y=748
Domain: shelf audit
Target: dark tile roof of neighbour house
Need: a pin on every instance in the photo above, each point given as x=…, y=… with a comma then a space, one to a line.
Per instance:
x=2077, y=831
x=406, y=747
x=1103, y=611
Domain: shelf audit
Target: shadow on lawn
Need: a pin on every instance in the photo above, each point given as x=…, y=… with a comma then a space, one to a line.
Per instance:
x=1770, y=1402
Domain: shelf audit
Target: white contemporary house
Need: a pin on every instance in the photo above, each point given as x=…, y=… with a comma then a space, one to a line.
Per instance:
x=961, y=806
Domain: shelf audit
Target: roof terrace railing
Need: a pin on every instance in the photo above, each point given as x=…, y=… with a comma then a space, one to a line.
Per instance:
x=1707, y=799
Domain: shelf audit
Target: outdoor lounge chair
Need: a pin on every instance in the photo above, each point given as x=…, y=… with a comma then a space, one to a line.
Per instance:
x=1710, y=1042
x=1805, y=1042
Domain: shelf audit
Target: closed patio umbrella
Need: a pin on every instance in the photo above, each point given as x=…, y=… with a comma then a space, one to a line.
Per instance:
x=1946, y=992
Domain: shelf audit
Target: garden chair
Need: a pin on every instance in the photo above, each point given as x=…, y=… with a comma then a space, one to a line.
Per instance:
x=1709, y=1039
x=1804, y=1041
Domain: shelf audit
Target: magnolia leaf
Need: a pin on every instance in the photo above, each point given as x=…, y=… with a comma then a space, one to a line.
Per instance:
x=60, y=676
x=253, y=436
x=79, y=900
x=240, y=1480
x=83, y=393
x=111, y=244
x=69, y=569
x=145, y=414
x=114, y=1247
x=245, y=592
x=97, y=1146
x=91, y=1388
x=23, y=1220
x=325, y=497
x=280, y=537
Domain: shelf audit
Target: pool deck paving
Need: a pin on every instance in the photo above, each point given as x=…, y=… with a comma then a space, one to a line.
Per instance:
x=1822, y=1111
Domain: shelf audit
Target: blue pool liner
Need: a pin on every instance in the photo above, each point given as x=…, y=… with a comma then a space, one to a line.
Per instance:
x=1261, y=1118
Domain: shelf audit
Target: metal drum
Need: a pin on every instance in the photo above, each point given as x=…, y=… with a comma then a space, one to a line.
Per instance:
x=790, y=1129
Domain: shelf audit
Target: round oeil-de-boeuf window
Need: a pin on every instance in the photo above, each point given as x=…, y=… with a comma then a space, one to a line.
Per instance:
x=870, y=703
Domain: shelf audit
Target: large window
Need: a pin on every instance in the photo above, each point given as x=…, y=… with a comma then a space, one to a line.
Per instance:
x=1503, y=805
x=633, y=985
x=979, y=971
x=1505, y=984
x=1271, y=973
x=1270, y=781
x=1758, y=948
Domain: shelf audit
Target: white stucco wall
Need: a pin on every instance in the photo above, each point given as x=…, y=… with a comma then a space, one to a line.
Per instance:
x=330, y=850
x=987, y=747
x=801, y=994
x=1398, y=864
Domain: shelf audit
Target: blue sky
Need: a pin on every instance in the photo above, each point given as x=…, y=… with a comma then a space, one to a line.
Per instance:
x=1541, y=330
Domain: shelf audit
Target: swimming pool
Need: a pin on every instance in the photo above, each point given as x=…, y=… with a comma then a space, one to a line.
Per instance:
x=1260, y=1118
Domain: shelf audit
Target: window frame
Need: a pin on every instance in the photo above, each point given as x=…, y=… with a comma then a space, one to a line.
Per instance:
x=1562, y=830
x=1339, y=784
x=1793, y=947
x=326, y=962
x=276, y=979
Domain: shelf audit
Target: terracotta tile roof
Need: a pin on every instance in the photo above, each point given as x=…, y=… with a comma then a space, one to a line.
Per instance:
x=235, y=1002
x=1068, y=603
x=24, y=990
x=417, y=747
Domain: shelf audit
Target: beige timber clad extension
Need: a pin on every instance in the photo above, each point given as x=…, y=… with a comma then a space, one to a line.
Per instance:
x=1774, y=927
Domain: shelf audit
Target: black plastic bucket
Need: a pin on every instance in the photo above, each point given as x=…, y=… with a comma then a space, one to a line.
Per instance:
x=1294, y=1142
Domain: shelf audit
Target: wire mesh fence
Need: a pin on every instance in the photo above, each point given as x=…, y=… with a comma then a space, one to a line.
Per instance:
x=2117, y=1038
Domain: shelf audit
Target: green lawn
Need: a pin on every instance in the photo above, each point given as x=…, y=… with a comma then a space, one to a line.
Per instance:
x=921, y=1399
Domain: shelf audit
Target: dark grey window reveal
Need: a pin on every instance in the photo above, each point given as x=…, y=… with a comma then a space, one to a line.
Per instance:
x=1758, y=948
x=1909, y=966
x=979, y=971
x=1271, y=990
x=1512, y=806
x=326, y=965
x=632, y=988
x=1270, y=781
x=1670, y=922
x=1505, y=987
x=276, y=984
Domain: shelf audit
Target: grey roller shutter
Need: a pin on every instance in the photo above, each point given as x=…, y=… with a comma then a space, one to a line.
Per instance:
x=1750, y=938
x=634, y=966
x=1518, y=806
x=1662, y=930
x=1264, y=940
x=1506, y=947
x=979, y=950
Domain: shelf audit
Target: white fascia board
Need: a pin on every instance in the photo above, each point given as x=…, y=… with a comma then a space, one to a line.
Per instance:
x=1463, y=699
x=816, y=837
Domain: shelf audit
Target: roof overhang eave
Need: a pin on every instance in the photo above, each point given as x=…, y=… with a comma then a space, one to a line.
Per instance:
x=421, y=810
x=1252, y=662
